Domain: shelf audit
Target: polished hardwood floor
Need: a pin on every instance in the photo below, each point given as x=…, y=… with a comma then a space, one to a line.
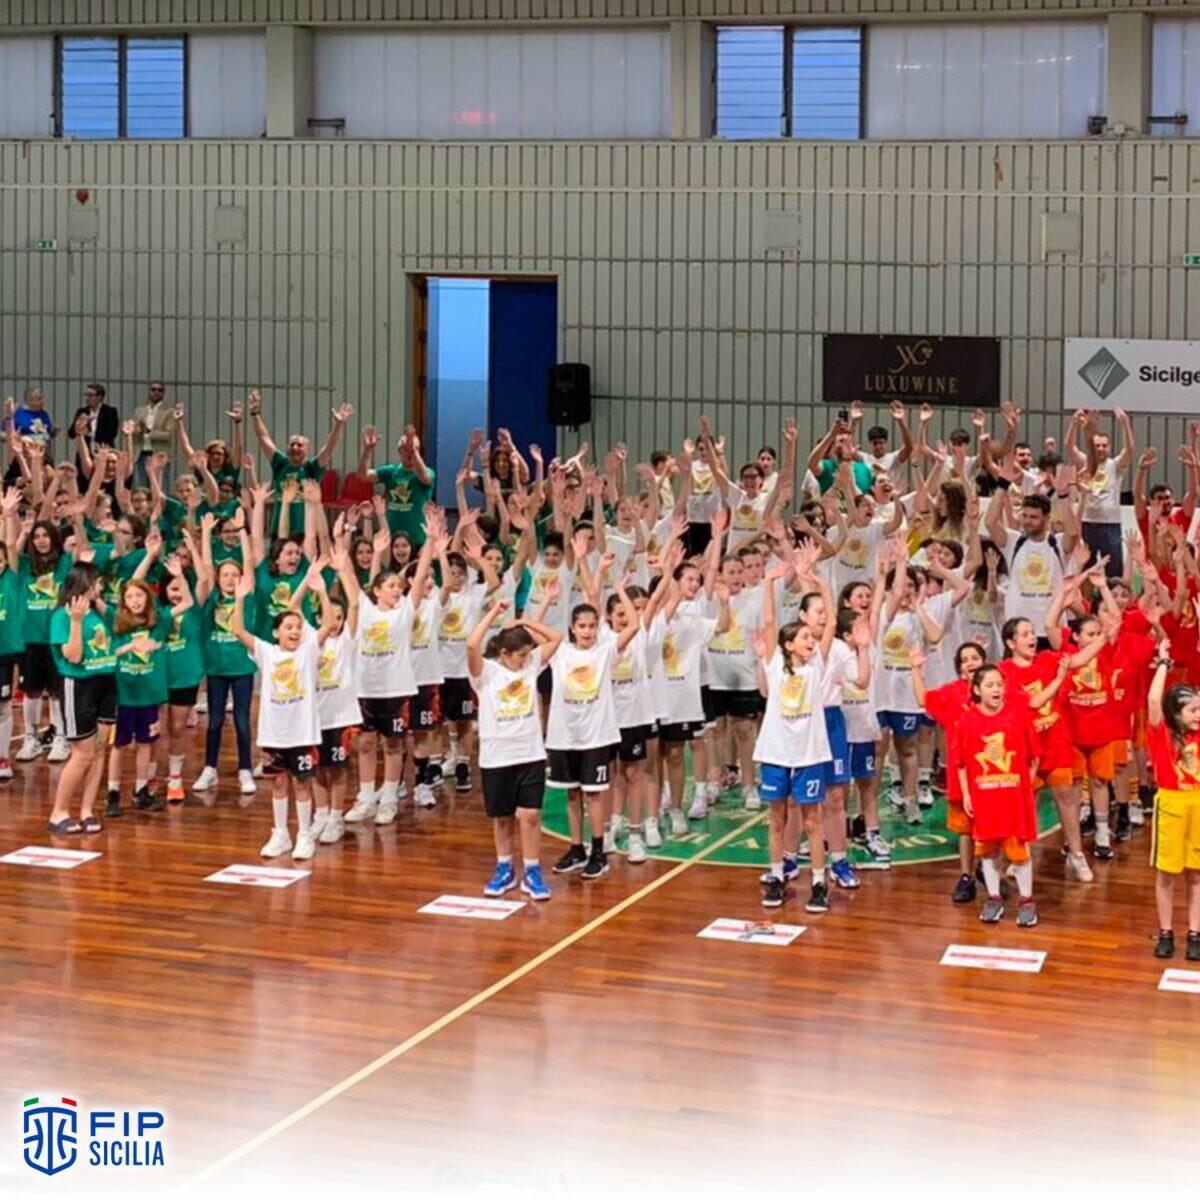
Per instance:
x=630, y=1054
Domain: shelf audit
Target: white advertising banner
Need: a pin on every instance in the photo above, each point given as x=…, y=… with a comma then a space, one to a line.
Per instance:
x=1139, y=376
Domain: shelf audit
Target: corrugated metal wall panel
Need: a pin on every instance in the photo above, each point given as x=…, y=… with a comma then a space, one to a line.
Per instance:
x=665, y=288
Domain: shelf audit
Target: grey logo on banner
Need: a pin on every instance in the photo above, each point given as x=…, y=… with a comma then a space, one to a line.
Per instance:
x=1103, y=373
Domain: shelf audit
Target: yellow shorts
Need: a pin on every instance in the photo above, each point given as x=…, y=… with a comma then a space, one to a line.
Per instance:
x=1176, y=843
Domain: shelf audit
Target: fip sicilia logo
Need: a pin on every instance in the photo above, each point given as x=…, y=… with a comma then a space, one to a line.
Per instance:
x=111, y=1138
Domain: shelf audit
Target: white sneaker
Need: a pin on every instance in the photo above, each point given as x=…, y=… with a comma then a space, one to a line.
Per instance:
x=424, y=796
x=334, y=831
x=698, y=809
x=1078, y=869
x=206, y=780
x=924, y=795
x=361, y=810
x=752, y=801
x=306, y=846
x=386, y=812
x=246, y=784
x=679, y=825
x=912, y=811
x=30, y=748
x=60, y=749
x=258, y=769
x=401, y=790
x=1137, y=814
x=619, y=826
x=279, y=843
x=610, y=842
x=318, y=823
x=637, y=848
x=652, y=833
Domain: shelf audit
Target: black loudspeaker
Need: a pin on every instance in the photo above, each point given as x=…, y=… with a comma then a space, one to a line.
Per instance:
x=570, y=394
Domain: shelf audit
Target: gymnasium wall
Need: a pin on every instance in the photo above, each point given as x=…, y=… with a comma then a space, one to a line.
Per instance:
x=669, y=285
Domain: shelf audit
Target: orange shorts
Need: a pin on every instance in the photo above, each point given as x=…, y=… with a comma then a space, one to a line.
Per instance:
x=1059, y=777
x=957, y=820
x=1139, y=729
x=1015, y=850
x=1094, y=762
x=1120, y=755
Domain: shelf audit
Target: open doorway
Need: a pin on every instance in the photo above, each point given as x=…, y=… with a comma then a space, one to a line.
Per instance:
x=483, y=349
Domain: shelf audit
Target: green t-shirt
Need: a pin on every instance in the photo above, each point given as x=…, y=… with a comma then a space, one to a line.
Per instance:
x=827, y=473
x=221, y=511
x=185, y=653
x=98, y=658
x=283, y=469
x=39, y=595
x=173, y=521
x=97, y=536
x=119, y=570
x=223, y=553
x=273, y=594
x=224, y=654
x=406, y=498
x=142, y=675
x=12, y=612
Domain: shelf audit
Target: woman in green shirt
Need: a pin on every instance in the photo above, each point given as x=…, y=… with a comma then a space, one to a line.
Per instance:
x=83, y=654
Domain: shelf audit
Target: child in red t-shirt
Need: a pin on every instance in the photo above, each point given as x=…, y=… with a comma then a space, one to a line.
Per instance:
x=997, y=755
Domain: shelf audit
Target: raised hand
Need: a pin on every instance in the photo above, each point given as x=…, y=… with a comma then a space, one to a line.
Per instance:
x=343, y=413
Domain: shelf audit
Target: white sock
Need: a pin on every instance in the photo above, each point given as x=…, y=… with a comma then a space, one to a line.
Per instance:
x=175, y=765
x=141, y=783
x=818, y=874
x=1024, y=873
x=33, y=713
x=777, y=870
x=532, y=862
x=56, y=717
x=991, y=876
x=505, y=860
x=280, y=809
x=837, y=855
x=322, y=810
x=924, y=774
x=452, y=757
x=304, y=815
x=391, y=790
x=6, y=727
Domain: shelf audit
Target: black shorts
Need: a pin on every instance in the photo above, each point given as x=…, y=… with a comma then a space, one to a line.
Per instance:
x=699, y=534
x=88, y=703
x=505, y=789
x=8, y=674
x=184, y=697
x=425, y=708
x=708, y=704
x=458, y=700
x=299, y=762
x=680, y=731
x=739, y=704
x=335, y=747
x=545, y=683
x=387, y=717
x=38, y=672
x=634, y=743
x=589, y=770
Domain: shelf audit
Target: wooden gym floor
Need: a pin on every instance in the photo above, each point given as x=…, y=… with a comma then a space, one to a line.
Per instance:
x=329, y=1035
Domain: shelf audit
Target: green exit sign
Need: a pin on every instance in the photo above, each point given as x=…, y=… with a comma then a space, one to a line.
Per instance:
x=52, y=244
x=1191, y=260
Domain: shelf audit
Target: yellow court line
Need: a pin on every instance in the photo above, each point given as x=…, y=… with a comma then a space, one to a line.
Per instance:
x=467, y=1006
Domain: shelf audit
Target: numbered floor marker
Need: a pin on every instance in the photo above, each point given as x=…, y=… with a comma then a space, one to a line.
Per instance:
x=481, y=908
x=257, y=876
x=754, y=933
x=994, y=958
x=1174, y=980
x=49, y=856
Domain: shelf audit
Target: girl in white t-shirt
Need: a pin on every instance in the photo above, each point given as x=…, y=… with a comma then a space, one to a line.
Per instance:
x=425, y=709
x=582, y=733
x=462, y=606
x=289, y=728
x=512, y=758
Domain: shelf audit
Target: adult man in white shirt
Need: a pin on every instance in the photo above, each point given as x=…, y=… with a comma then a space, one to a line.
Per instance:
x=1102, y=501
x=880, y=458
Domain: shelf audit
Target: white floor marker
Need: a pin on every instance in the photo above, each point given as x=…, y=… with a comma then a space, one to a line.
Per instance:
x=994, y=958
x=1174, y=980
x=257, y=876
x=481, y=908
x=49, y=856
x=755, y=933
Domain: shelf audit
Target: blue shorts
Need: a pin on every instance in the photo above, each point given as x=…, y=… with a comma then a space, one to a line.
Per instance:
x=804, y=785
x=837, y=770
x=903, y=724
x=862, y=760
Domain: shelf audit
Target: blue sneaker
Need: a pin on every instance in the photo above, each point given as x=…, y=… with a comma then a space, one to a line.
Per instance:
x=503, y=879
x=533, y=885
x=844, y=874
x=791, y=868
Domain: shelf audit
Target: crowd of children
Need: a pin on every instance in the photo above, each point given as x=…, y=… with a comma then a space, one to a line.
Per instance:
x=644, y=637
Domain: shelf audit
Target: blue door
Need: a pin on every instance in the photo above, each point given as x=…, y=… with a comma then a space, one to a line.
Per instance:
x=522, y=347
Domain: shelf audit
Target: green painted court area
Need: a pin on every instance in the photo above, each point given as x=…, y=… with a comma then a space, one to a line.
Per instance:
x=928, y=842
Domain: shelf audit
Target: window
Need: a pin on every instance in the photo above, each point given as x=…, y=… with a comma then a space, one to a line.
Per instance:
x=803, y=82
x=121, y=87
x=1175, y=77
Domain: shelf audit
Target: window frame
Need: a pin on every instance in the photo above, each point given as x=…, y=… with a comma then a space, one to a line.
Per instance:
x=122, y=40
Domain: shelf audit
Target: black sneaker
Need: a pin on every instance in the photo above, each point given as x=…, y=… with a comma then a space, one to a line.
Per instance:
x=964, y=890
x=436, y=777
x=1193, y=946
x=1122, y=829
x=1164, y=947
x=112, y=804
x=1146, y=795
x=462, y=777
x=144, y=800
x=597, y=865
x=818, y=900
x=1088, y=825
x=858, y=829
x=1103, y=853
x=774, y=892
x=574, y=860
x=46, y=736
